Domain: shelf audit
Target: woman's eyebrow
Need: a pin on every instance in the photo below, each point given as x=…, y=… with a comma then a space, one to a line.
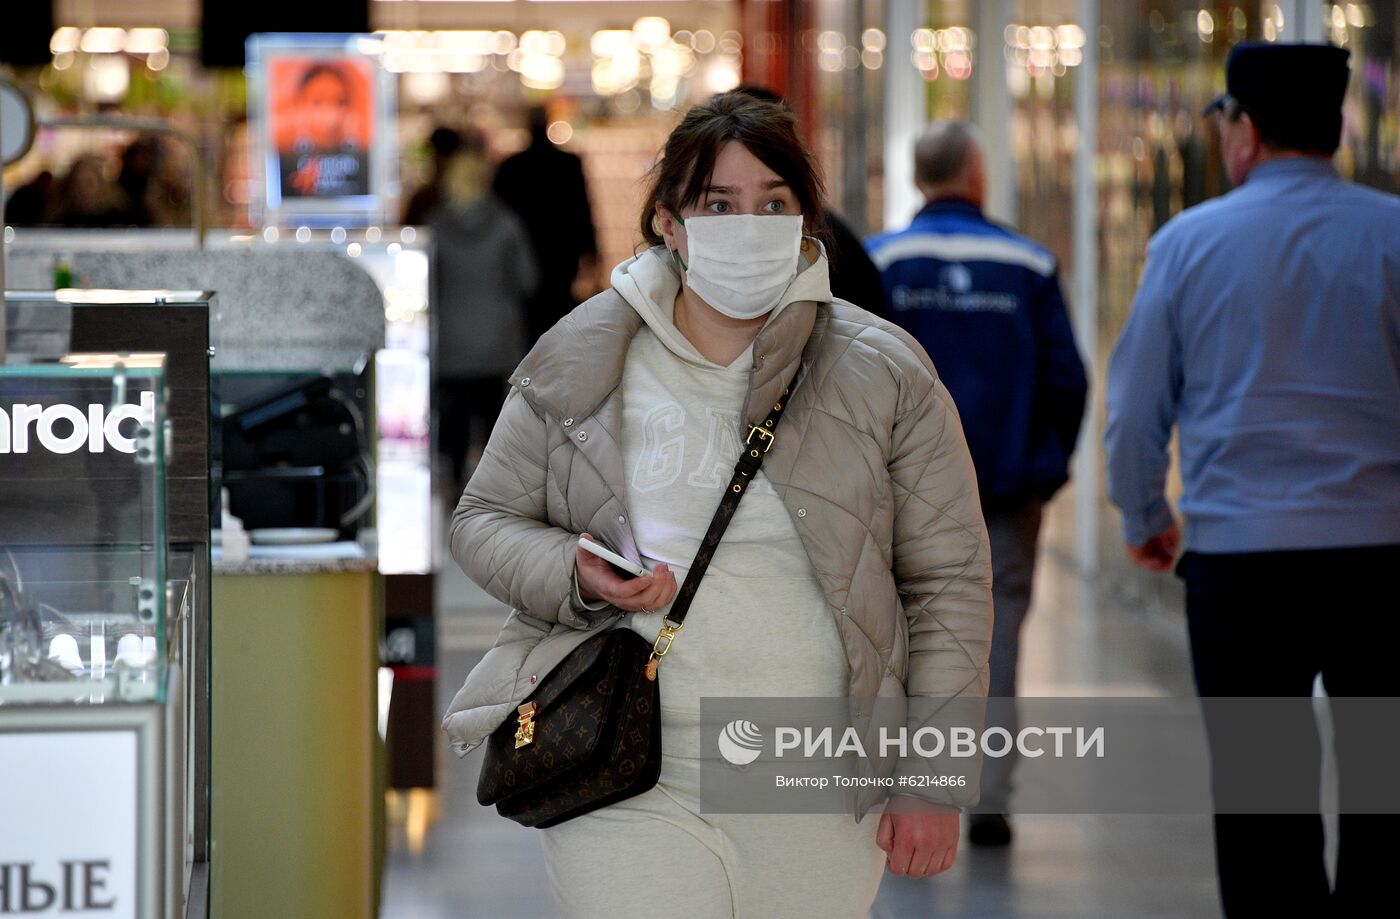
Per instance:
x=729, y=190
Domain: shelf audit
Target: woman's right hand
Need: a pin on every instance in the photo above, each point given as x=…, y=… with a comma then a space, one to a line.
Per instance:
x=597, y=580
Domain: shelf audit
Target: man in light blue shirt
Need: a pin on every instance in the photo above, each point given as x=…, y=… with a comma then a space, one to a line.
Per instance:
x=1267, y=330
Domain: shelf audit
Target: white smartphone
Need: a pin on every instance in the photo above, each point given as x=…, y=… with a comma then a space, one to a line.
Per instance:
x=608, y=555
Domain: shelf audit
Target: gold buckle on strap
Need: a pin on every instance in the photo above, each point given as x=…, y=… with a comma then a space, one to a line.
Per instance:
x=767, y=436
x=658, y=650
x=525, y=733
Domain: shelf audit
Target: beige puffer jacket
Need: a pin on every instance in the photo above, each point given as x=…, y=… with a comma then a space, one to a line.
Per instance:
x=870, y=461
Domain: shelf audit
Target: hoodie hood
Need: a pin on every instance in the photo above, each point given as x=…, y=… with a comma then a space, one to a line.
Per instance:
x=474, y=218
x=650, y=281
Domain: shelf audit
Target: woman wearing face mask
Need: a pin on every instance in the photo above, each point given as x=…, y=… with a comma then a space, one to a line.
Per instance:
x=857, y=567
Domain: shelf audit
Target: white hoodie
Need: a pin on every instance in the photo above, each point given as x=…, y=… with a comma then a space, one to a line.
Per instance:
x=758, y=625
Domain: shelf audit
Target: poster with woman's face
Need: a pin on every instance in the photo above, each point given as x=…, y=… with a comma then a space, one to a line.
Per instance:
x=321, y=113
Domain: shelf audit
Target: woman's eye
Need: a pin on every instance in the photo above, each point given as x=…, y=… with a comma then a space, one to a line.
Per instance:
x=775, y=206
x=719, y=207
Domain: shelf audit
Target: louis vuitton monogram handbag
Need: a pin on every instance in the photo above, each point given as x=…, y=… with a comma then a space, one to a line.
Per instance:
x=590, y=733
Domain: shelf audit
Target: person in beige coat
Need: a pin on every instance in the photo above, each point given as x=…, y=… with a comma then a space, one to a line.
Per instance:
x=859, y=565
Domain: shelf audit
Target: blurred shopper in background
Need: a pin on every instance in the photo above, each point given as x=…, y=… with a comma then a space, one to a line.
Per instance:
x=627, y=418
x=151, y=188
x=31, y=204
x=545, y=187
x=138, y=179
x=87, y=198
x=986, y=305
x=483, y=272
x=854, y=277
x=1267, y=330
x=443, y=144
x=170, y=194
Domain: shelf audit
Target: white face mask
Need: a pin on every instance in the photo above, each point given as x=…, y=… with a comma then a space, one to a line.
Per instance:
x=741, y=263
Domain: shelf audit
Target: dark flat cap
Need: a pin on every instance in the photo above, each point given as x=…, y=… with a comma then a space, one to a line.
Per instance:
x=1300, y=80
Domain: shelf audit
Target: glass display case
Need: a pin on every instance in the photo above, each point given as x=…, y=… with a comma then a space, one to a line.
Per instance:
x=83, y=580
x=104, y=610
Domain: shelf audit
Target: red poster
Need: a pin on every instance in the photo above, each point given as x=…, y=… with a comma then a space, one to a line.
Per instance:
x=321, y=111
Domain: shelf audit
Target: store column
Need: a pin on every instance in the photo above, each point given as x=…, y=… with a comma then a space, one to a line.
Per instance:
x=1084, y=300
x=772, y=55
x=904, y=114
x=991, y=108
x=1302, y=21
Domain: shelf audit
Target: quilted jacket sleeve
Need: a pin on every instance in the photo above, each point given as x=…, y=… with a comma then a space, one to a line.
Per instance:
x=942, y=566
x=501, y=535
x=942, y=562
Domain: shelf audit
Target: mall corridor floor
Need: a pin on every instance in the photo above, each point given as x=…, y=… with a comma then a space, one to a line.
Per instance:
x=450, y=857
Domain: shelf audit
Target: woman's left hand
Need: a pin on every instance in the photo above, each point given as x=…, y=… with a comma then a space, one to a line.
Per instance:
x=920, y=837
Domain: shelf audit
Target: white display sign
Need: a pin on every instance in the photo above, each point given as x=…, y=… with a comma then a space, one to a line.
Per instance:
x=68, y=835
x=403, y=479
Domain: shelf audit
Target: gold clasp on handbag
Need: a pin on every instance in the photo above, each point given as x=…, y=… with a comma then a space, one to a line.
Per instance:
x=767, y=436
x=526, y=732
x=658, y=650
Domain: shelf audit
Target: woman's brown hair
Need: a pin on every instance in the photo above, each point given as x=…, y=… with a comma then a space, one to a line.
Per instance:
x=767, y=129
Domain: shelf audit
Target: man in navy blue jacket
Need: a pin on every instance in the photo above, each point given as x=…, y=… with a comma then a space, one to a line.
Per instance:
x=985, y=303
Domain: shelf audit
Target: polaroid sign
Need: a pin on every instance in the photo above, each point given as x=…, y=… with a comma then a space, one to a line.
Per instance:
x=67, y=429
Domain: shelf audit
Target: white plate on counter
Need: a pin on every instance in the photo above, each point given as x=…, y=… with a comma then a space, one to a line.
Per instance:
x=293, y=536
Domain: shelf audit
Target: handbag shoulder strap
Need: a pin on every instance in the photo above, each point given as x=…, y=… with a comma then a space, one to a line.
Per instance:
x=757, y=443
